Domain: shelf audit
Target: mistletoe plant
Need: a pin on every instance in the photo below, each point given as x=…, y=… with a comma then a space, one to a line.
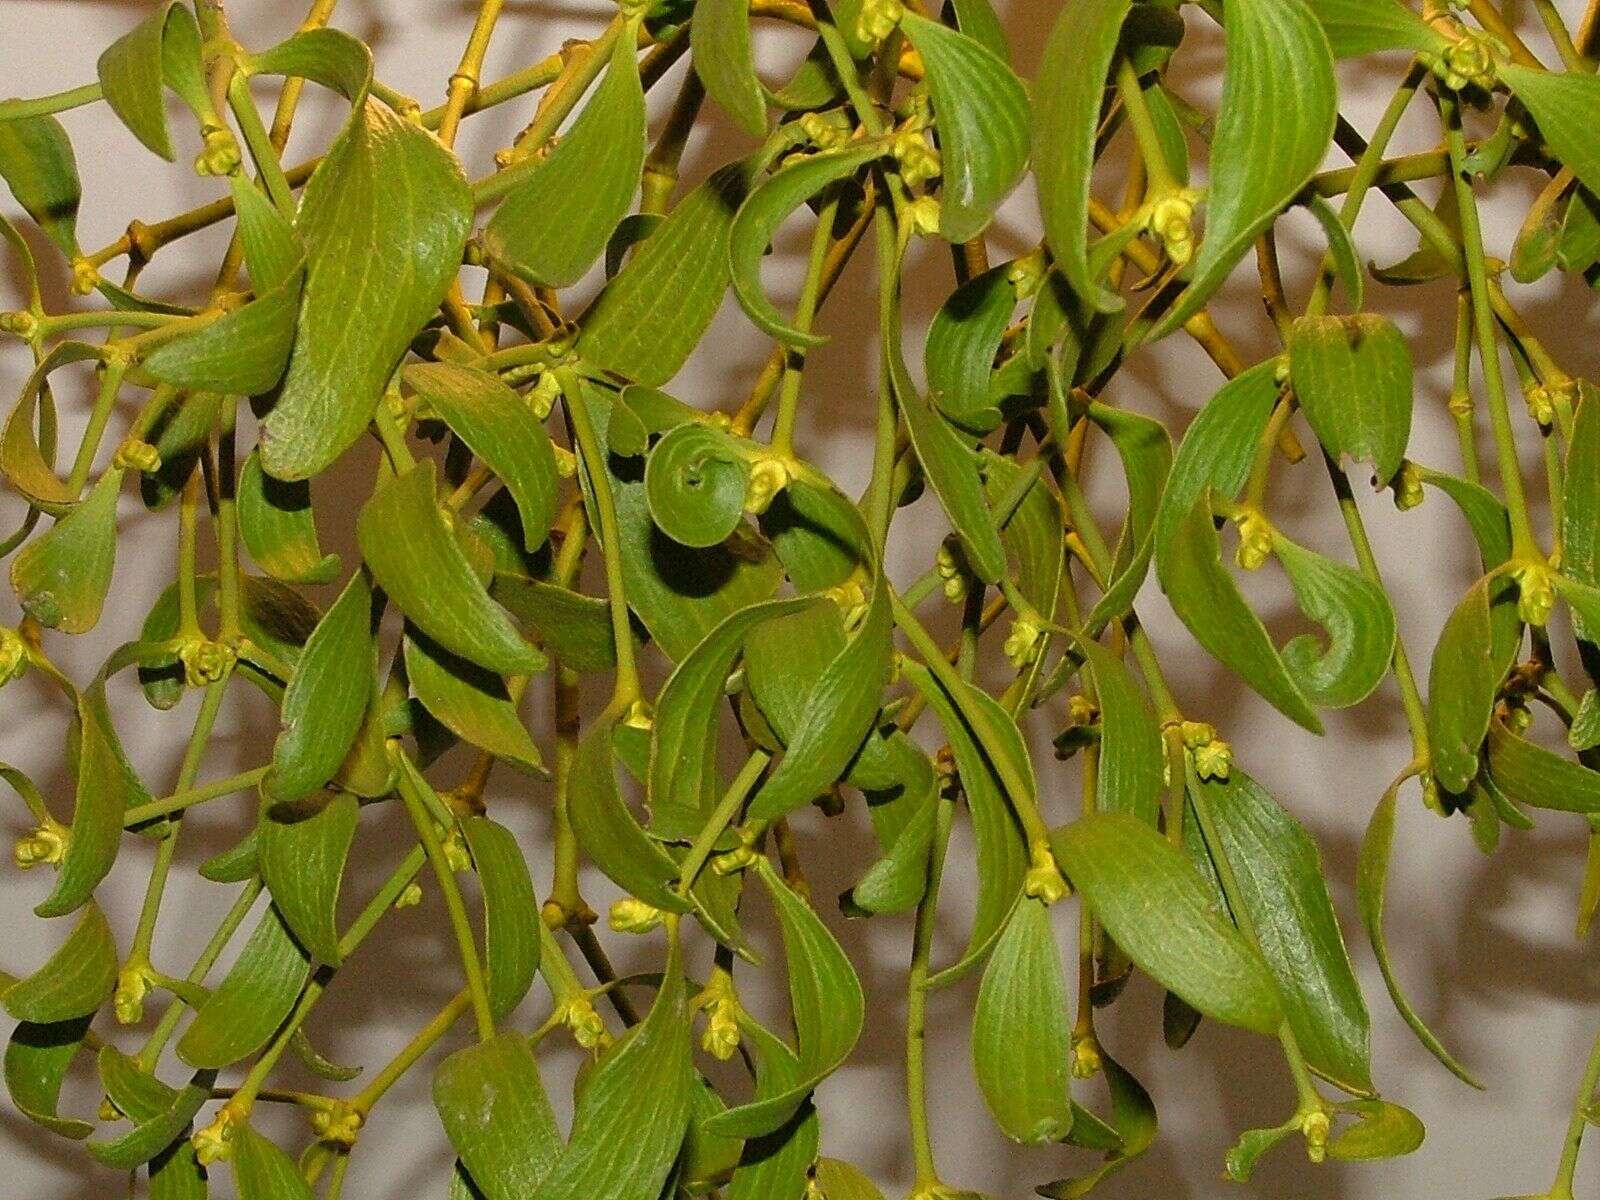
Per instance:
x=524, y=431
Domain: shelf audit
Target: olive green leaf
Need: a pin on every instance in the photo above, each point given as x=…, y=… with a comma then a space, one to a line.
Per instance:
x=695, y=481
x=818, y=535
x=981, y=112
x=765, y=208
x=1385, y=1130
x=497, y=1116
x=470, y=702
x=235, y=864
x=839, y=711
x=838, y=1180
x=384, y=220
x=1133, y=1121
x=160, y=1114
x=63, y=577
x=1486, y=516
x=301, y=856
x=510, y=912
x=278, y=529
x=608, y=831
x=1580, y=512
x=252, y=1000
x=653, y=314
x=1360, y=624
x=1352, y=376
x=1584, y=732
x=620, y=1148
x=1341, y=250
x=1240, y=1161
x=1563, y=105
x=37, y=1059
x=327, y=56
x=1279, y=872
x=261, y=1171
x=1529, y=774
x=775, y=1165
x=1032, y=533
x=783, y=659
x=1129, y=777
x=1021, y=1039
x=1538, y=244
x=1579, y=246
x=27, y=454
x=1145, y=450
x=327, y=696
x=1216, y=451
x=950, y=465
x=897, y=882
x=243, y=352
x=133, y=69
x=683, y=742
x=427, y=574
x=38, y=165
x=1207, y=600
x=1066, y=114
x=77, y=979
x=978, y=20
x=1357, y=27
x=574, y=628
x=719, y=39
x=958, y=356
x=1372, y=872
x=826, y=1002
x=499, y=427
x=1462, y=679
x=180, y=435
x=1157, y=907
x=554, y=224
x=1274, y=121
x=1000, y=851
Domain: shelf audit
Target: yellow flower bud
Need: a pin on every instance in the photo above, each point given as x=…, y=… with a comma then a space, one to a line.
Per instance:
x=1407, y=485
x=13, y=656
x=632, y=915
x=338, y=1124
x=768, y=477
x=205, y=662
x=46, y=845
x=134, y=455
x=1044, y=880
x=1536, y=595
x=133, y=985
x=1255, y=540
x=215, y=1142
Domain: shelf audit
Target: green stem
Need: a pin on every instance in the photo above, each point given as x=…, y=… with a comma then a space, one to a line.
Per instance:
x=727, y=808
x=99, y=416
x=1144, y=129
x=259, y=141
x=187, y=798
x=39, y=106
x=804, y=313
x=111, y=318
x=927, y=1174
x=1561, y=1189
x=420, y=1044
x=465, y=80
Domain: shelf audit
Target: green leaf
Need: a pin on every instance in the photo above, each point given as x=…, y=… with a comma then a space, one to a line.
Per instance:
x=1341, y=250
x=252, y=1000
x=76, y=980
x=965, y=336
x=981, y=113
x=164, y=1115
x=1529, y=774
x=1487, y=517
x=719, y=39
x=302, y=858
x=499, y=427
x=1360, y=624
x=1279, y=873
x=683, y=741
x=1274, y=122
x=1032, y=534
x=654, y=313
x=1584, y=732
x=1133, y=1120
x=63, y=577
x=827, y=1005
x=1353, y=379
x=1206, y=598
x=132, y=71
x=510, y=912
x=608, y=831
x=1157, y=907
x=1066, y=115
x=1580, y=511
x=1000, y=852
x=327, y=696
x=1564, y=106
x=1462, y=680
x=817, y=534
x=619, y=1148
x=235, y=864
x=765, y=208
x=785, y=656
x=1146, y=453
x=1242, y=1156
x=695, y=481
x=472, y=703
x=897, y=882
x=1372, y=871
x=838, y=1180
x=497, y=1116
x=839, y=712
x=1357, y=27
x=427, y=574
x=1385, y=1130
x=1129, y=778
x=329, y=57
x=37, y=1059
x=1580, y=232
x=278, y=529
x=27, y=457
x=37, y=163
x=951, y=467
x=555, y=223
x=1021, y=1039
x=775, y=1166
x=243, y=352
x=385, y=219
x=261, y=1171
x=575, y=629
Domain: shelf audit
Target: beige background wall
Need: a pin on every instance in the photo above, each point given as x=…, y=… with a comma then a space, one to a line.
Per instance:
x=1485, y=944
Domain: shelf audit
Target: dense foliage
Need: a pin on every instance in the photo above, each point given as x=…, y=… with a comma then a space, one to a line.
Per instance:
x=523, y=433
